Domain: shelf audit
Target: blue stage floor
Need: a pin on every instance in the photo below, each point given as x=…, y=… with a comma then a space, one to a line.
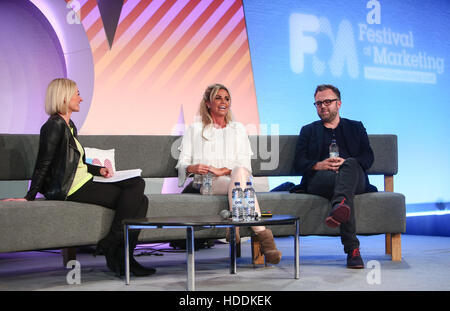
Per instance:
x=425, y=266
x=428, y=219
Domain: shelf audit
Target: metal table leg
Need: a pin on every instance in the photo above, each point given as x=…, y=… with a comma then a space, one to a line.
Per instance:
x=297, y=250
x=127, y=256
x=190, y=258
x=233, y=250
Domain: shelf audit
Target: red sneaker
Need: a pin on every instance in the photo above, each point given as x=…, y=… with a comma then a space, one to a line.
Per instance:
x=340, y=213
x=354, y=260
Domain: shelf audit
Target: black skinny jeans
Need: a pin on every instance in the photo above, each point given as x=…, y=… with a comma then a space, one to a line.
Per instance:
x=348, y=181
x=125, y=197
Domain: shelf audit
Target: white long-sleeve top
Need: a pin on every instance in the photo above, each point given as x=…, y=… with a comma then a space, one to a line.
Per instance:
x=219, y=147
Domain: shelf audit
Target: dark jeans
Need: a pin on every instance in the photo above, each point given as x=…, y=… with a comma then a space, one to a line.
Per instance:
x=125, y=197
x=348, y=181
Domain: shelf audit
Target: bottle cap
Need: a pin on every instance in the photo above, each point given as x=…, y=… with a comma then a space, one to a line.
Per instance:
x=249, y=183
x=237, y=183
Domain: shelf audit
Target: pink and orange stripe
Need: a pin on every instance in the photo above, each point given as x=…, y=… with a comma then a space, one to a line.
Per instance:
x=164, y=54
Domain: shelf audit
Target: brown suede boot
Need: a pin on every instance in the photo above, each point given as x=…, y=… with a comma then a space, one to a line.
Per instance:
x=268, y=247
x=238, y=238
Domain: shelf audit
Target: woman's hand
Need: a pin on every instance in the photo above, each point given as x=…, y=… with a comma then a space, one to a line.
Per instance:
x=220, y=171
x=14, y=199
x=106, y=172
x=200, y=169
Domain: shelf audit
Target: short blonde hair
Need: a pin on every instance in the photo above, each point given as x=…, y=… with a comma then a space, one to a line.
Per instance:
x=208, y=97
x=58, y=96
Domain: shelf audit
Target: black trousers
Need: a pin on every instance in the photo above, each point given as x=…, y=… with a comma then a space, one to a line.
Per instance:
x=348, y=181
x=125, y=197
x=190, y=188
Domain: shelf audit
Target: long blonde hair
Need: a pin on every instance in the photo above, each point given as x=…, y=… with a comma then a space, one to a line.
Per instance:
x=208, y=97
x=58, y=96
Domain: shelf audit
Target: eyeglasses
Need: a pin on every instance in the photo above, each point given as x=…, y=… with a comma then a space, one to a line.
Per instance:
x=325, y=102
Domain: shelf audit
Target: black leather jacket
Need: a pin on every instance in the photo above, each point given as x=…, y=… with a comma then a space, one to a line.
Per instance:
x=57, y=160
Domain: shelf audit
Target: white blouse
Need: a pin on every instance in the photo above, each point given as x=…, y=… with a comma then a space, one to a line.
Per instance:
x=219, y=147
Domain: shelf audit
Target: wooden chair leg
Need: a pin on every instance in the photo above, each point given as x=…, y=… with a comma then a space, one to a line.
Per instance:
x=396, y=240
x=393, y=240
x=388, y=243
x=69, y=253
x=394, y=245
x=257, y=255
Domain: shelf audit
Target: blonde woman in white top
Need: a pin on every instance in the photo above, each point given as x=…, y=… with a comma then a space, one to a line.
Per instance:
x=219, y=146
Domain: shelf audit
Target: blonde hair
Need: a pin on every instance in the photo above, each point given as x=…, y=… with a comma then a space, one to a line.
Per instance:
x=59, y=93
x=208, y=97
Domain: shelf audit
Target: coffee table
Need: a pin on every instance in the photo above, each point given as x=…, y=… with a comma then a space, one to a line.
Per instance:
x=191, y=222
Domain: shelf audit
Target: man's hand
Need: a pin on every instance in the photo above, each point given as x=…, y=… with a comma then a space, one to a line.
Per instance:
x=105, y=172
x=330, y=164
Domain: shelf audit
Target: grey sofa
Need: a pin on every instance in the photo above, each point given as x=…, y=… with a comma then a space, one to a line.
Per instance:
x=43, y=224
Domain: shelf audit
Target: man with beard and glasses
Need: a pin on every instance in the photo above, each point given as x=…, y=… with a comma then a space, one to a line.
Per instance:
x=337, y=178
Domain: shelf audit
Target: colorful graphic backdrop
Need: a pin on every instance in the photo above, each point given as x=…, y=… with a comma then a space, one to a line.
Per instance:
x=158, y=60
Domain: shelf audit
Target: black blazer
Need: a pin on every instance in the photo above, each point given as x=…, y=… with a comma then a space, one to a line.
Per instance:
x=57, y=160
x=309, y=145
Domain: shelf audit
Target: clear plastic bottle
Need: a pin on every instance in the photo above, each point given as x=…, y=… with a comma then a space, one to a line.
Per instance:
x=249, y=202
x=236, y=197
x=334, y=149
x=207, y=184
x=197, y=181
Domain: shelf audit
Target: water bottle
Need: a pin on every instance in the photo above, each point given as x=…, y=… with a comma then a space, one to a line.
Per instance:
x=334, y=149
x=249, y=203
x=236, y=197
x=197, y=181
x=207, y=184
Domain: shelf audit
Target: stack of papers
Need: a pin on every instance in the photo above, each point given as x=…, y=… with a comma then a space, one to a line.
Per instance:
x=119, y=175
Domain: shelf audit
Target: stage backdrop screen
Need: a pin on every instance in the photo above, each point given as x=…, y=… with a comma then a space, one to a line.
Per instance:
x=388, y=58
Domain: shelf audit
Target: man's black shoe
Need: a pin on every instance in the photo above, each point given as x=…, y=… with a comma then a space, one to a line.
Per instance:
x=340, y=213
x=354, y=260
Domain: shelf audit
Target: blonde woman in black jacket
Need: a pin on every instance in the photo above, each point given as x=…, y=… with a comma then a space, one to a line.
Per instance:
x=61, y=173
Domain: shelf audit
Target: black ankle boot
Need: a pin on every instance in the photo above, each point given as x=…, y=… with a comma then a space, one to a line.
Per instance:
x=138, y=270
x=109, y=247
x=135, y=268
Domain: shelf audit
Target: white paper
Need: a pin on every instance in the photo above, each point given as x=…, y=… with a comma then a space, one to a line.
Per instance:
x=119, y=175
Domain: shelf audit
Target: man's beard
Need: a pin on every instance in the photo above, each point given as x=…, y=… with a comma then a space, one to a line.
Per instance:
x=331, y=116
